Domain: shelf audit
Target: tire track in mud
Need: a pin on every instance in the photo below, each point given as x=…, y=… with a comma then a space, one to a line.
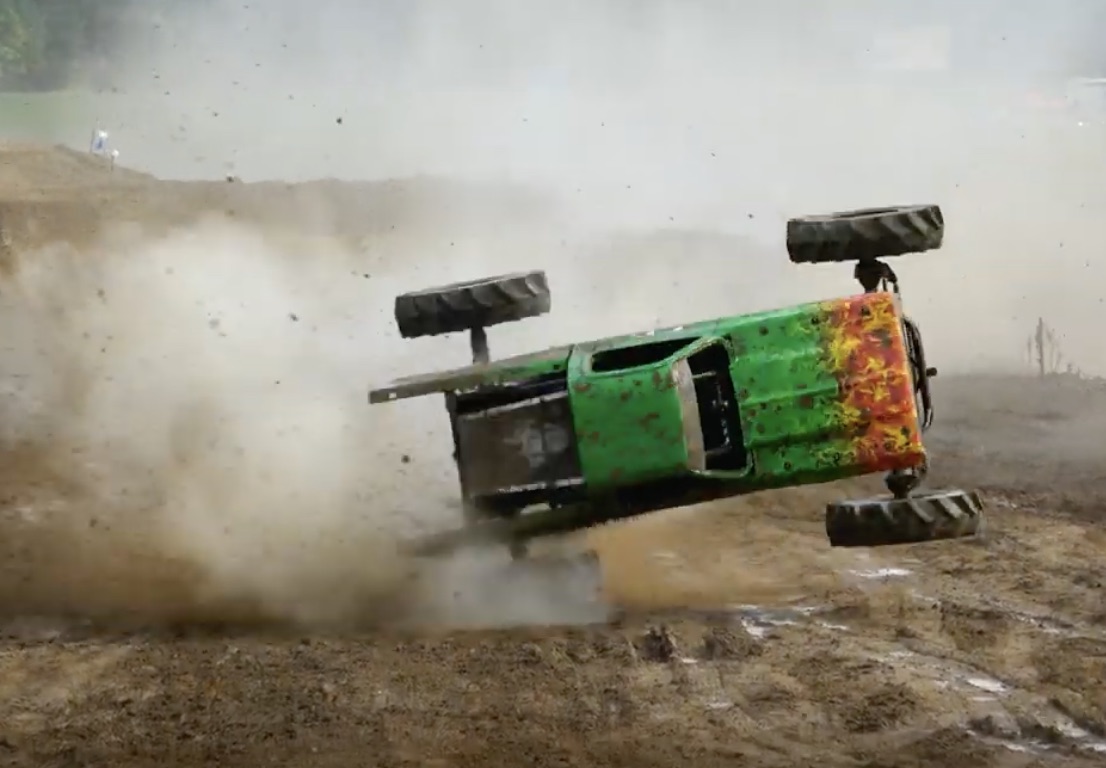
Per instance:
x=873, y=647
x=876, y=680
x=1011, y=661
x=751, y=678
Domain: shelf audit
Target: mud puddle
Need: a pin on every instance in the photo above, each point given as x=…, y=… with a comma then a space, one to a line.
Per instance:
x=997, y=711
x=1009, y=713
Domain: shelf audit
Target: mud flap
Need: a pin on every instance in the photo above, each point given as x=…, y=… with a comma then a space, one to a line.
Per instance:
x=483, y=587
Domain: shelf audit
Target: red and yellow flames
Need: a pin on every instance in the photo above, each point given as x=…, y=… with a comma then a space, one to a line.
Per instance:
x=866, y=351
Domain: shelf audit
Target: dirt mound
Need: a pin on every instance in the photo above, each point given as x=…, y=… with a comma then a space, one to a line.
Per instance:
x=34, y=170
x=54, y=194
x=742, y=637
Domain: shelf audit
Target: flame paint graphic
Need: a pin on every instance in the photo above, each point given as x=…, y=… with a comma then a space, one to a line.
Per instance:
x=866, y=351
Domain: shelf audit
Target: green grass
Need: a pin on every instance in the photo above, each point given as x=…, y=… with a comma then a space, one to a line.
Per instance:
x=59, y=117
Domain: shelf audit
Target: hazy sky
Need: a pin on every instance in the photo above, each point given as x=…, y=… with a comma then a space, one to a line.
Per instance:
x=664, y=113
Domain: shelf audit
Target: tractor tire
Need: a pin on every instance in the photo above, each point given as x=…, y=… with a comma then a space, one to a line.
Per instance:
x=865, y=235
x=473, y=304
x=923, y=517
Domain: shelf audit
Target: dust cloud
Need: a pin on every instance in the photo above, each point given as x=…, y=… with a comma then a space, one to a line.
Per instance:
x=201, y=397
x=675, y=115
x=204, y=393
x=223, y=374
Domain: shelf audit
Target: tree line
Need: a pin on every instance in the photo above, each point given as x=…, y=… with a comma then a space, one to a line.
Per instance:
x=46, y=44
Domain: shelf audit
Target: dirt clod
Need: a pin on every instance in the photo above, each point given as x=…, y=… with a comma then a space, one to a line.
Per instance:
x=659, y=644
x=729, y=644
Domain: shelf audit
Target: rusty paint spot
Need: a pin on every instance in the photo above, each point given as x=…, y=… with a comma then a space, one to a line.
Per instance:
x=593, y=436
x=806, y=401
x=760, y=429
x=637, y=382
x=788, y=466
x=581, y=386
x=763, y=330
x=662, y=382
x=648, y=419
x=625, y=396
x=743, y=394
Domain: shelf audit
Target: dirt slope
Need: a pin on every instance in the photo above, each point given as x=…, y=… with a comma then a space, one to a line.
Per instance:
x=743, y=638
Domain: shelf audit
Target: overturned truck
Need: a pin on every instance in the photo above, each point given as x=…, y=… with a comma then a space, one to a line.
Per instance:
x=578, y=435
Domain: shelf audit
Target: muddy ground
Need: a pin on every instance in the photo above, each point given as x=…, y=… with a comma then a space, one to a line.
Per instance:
x=740, y=637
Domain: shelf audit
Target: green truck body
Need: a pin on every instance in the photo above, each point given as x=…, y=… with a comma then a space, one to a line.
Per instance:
x=805, y=394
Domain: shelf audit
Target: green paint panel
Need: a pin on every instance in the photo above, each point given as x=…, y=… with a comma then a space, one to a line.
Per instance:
x=788, y=396
x=629, y=423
